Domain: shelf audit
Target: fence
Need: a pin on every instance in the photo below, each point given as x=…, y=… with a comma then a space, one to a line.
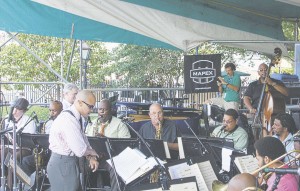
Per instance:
x=43, y=92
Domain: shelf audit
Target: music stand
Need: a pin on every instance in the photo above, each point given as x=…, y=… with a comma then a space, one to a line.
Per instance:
x=157, y=147
x=35, y=141
x=119, y=144
x=98, y=144
x=192, y=149
x=174, y=183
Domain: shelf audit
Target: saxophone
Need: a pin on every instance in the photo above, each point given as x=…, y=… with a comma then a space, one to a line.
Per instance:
x=43, y=128
x=155, y=175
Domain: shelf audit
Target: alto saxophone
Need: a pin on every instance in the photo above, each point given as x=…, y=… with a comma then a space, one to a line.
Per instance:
x=154, y=177
x=43, y=129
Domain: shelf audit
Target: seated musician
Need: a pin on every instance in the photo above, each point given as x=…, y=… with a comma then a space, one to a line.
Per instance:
x=23, y=124
x=160, y=128
x=107, y=125
x=231, y=130
x=243, y=181
x=230, y=85
x=283, y=128
x=267, y=150
x=28, y=162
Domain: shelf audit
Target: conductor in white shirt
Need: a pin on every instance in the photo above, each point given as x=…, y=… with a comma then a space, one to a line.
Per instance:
x=68, y=142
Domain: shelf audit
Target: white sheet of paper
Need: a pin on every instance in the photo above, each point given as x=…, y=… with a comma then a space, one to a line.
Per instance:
x=226, y=159
x=208, y=173
x=167, y=151
x=180, y=148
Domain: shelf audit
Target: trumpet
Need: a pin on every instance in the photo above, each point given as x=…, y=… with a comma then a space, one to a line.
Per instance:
x=295, y=155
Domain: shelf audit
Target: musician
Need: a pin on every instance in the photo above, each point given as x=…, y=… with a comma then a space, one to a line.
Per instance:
x=241, y=181
x=68, y=142
x=267, y=150
x=230, y=85
x=107, y=125
x=253, y=91
x=296, y=140
x=283, y=128
x=230, y=130
x=23, y=122
x=69, y=93
x=160, y=128
x=28, y=162
x=55, y=108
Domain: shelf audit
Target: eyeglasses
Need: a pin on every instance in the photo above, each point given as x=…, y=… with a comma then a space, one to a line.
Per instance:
x=89, y=106
x=263, y=70
x=227, y=122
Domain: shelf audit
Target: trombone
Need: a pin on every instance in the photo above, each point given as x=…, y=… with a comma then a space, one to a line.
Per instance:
x=219, y=186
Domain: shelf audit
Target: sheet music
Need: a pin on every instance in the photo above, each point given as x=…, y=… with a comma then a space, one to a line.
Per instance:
x=167, y=151
x=180, y=147
x=246, y=163
x=189, y=186
x=226, y=159
x=128, y=162
x=183, y=170
x=208, y=173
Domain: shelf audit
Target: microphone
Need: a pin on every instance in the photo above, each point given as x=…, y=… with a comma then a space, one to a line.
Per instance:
x=163, y=177
x=10, y=115
x=283, y=170
x=35, y=117
x=205, y=150
x=224, y=126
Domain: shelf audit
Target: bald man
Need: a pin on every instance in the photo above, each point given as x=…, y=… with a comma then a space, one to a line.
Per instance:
x=68, y=142
x=241, y=181
x=160, y=128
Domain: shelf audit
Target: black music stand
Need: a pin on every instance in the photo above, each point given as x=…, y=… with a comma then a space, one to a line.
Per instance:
x=32, y=141
x=119, y=144
x=156, y=146
x=98, y=144
x=152, y=186
x=214, y=145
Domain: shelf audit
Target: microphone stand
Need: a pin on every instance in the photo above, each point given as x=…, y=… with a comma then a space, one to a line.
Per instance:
x=204, y=151
x=3, y=178
x=164, y=179
x=108, y=148
x=15, y=188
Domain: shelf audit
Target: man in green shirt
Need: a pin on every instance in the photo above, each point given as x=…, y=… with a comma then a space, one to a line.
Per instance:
x=231, y=130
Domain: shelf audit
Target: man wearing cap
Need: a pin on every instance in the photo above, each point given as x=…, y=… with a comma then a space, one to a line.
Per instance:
x=23, y=122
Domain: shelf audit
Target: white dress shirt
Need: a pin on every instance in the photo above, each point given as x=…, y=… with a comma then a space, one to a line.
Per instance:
x=66, y=136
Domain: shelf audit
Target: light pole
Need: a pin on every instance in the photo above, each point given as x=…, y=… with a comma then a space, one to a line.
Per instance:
x=85, y=57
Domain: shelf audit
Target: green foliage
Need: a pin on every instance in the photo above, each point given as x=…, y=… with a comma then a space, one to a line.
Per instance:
x=42, y=112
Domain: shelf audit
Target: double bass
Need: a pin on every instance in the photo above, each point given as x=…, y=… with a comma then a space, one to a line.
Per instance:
x=270, y=104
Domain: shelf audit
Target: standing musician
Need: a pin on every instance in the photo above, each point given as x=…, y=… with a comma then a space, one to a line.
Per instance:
x=267, y=150
x=253, y=92
x=230, y=85
x=68, y=142
x=230, y=130
x=28, y=162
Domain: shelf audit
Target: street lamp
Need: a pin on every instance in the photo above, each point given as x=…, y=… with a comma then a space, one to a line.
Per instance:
x=85, y=57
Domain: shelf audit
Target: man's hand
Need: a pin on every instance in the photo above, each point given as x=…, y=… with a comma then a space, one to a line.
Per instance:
x=93, y=164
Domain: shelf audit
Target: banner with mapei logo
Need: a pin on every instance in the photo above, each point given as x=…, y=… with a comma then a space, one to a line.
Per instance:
x=200, y=72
